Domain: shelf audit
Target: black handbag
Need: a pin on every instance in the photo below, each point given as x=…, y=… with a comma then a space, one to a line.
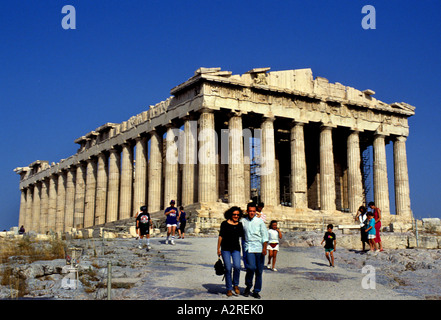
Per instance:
x=219, y=267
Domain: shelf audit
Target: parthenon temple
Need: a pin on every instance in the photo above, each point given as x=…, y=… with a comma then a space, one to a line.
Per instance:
x=310, y=150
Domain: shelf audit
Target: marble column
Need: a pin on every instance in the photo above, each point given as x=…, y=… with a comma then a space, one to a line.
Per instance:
x=381, y=186
x=22, y=214
x=70, y=199
x=355, y=183
x=207, y=186
x=327, y=173
x=126, y=188
x=171, y=166
x=268, y=174
x=80, y=191
x=61, y=201
x=90, y=196
x=36, y=207
x=101, y=190
x=155, y=172
x=44, y=206
x=401, y=176
x=247, y=170
x=140, y=183
x=236, y=175
x=189, y=177
x=113, y=185
x=52, y=210
x=299, y=197
x=29, y=201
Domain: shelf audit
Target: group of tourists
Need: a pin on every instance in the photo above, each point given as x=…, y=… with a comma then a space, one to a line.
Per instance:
x=244, y=236
x=370, y=226
x=175, y=220
x=249, y=229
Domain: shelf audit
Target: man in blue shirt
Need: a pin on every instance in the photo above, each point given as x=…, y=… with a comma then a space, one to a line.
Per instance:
x=256, y=239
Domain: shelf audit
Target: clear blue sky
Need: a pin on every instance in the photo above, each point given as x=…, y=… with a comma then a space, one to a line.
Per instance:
x=56, y=85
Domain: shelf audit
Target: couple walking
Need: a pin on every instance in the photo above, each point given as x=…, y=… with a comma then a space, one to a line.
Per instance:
x=253, y=230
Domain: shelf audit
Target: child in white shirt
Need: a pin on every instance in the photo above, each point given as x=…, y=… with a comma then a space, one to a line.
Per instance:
x=274, y=234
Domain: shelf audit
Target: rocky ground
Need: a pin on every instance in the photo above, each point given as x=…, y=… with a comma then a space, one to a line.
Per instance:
x=185, y=272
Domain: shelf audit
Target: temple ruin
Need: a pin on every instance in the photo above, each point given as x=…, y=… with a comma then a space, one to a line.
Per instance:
x=296, y=143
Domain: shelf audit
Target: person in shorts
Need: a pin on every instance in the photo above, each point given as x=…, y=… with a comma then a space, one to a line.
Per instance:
x=143, y=224
x=274, y=234
x=171, y=221
x=371, y=232
x=330, y=244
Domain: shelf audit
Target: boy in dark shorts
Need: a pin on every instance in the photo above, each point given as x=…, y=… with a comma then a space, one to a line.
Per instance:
x=330, y=244
x=143, y=224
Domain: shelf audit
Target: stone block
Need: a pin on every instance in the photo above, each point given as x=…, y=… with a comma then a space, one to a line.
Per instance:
x=132, y=231
x=432, y=221
x=97, y=233
x=400, y=227
x=109, y=235
x=428, y=242
x=87, y=233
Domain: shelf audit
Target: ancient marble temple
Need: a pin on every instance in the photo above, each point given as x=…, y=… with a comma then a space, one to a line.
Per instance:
x=300, y=145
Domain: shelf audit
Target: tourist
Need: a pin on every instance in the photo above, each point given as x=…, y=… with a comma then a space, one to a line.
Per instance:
x=143, y=224
x=171, y=221
x=259, y=213
x=244, y=253
x=361, y=217
x=274, y=234
x=371, y=232
x=256, y=240
x=330, y=244
x=228, y=246
x=182, y=222
x=22, y=230
x=377, y=216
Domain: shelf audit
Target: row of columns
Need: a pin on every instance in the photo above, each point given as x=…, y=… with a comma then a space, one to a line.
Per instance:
x=110, y=187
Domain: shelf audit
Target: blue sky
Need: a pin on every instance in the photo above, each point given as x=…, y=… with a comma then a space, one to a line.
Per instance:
x=56, y=85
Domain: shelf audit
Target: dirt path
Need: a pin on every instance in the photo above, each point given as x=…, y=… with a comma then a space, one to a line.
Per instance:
x=185, y=272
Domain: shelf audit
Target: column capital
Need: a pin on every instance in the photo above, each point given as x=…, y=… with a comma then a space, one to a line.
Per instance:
x=356, y=129
x=296, y=122
x=235, y=113
x=71, y=167
x=139, y=137
x=101, y=155
x=270, y=118
x=401, y=138
x=189, y=116
x=170, y=124
x=206, y=110
x=127, y=144
x=327, y=125
x=90, y=160
x=158, y=130
x=380, y=133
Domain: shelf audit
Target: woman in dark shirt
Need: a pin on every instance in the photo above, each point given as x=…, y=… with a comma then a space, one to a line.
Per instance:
x=228, y=246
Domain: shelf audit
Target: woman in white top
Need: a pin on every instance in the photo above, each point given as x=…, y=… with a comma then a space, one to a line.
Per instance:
x=274, y=234
x=361, y=218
